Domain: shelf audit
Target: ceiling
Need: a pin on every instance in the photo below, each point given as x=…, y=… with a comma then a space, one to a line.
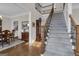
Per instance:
x=11, y=9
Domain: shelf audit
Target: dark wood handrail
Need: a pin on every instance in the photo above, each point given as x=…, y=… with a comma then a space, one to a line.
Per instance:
x=63, y=6
x=72, y=19
x=48, y=22
x=75, y=25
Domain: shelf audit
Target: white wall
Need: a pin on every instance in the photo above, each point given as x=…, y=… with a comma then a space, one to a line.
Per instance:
x=75, y=11
x=67, y=12
x=6, y=23
x=34, y=16
x=58, y=7
x=44, y=18
x=75, y=14
x=20, y=18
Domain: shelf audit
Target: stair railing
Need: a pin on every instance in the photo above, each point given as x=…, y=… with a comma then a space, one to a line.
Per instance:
x=48, y=22
x=75, y=34
x=45, y=29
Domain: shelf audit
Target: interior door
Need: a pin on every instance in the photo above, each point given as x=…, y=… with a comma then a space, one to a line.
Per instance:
x=38, y=29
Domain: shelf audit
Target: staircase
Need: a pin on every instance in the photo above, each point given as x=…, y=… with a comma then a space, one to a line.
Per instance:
x=58, y=40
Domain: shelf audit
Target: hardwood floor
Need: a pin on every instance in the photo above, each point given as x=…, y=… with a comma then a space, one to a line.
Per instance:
x=22, y=50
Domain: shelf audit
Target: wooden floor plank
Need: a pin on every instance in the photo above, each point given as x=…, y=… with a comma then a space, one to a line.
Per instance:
x=22, y=49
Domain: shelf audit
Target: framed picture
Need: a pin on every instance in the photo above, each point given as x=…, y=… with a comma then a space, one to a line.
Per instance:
x=25, y=26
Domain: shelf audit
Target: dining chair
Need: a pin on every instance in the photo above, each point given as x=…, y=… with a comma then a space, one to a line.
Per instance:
x=5, y=37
